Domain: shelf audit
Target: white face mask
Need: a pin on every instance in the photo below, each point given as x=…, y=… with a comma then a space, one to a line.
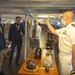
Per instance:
x=36, y=23
x=63, y=22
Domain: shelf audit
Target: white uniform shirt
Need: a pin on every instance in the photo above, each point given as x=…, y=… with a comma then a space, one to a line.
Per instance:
x=38, y=32
x=66, y=40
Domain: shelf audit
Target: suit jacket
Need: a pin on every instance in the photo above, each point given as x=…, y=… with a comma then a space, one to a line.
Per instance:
x=2, y=38
x=14, y=33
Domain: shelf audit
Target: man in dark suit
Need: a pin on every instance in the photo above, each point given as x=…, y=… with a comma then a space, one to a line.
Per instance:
x=2, y=38
x=2, y=46
x=16, y=32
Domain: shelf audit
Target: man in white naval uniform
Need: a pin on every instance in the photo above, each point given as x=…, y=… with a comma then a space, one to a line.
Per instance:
x=66, y=42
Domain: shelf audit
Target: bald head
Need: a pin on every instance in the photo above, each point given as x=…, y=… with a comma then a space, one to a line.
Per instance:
x=68, y=17
x=69, y=14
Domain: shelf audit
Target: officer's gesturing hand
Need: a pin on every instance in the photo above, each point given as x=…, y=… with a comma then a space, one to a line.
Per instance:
x=50, y=26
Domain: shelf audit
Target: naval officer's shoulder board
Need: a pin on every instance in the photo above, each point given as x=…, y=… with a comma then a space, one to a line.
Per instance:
x=73, y=25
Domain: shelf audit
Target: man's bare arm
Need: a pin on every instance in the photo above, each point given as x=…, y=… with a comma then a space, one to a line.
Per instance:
x=73, y=57
x=51, y=28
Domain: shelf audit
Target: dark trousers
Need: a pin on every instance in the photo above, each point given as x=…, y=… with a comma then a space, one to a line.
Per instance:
x=12, y=51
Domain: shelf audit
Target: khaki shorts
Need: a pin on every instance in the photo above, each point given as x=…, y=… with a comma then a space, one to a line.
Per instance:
x=1, y=59
x=36, y=44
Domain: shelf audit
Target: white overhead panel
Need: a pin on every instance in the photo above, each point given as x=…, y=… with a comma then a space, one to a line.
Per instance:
x=11, y=11
x=36, y=7
x=62, y=0
x=18, y=0
x=34, y=4
x=29, y=0
x=39, y=0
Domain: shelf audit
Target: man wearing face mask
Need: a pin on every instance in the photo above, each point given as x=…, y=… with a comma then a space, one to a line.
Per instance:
x=66, y=43
x=16, y=32
x=35, y=36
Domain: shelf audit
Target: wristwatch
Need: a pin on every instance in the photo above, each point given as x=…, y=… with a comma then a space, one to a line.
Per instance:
x=72, y=72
